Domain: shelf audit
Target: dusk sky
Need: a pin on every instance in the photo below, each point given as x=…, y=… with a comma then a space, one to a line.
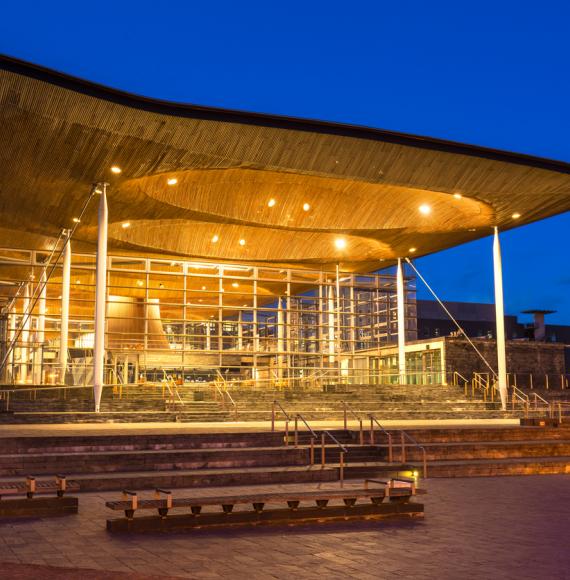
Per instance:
x=486, y=73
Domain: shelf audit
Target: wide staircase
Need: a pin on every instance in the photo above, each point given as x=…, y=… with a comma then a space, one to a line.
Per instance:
x=139, y=460
x=227, y=402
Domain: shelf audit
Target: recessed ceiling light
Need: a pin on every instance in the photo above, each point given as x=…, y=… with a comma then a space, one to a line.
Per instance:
x=140, y=282
x=76, y=220
x=116, y=169
x=203, y=287
x=235, y=284
x=271, y=202
x=425, y=209
x=340, y=243
x=306, y=207
x=412, y=250
x=215, y=238
x=126, y=225
x=78, y=281
x=471, y=230
x=161, y=285
x=457, y=196
x=516, y=215
x=242, y=242
x=200, y=300
x=172, y=181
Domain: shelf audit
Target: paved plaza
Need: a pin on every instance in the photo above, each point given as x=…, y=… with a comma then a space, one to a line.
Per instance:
x=496, y=528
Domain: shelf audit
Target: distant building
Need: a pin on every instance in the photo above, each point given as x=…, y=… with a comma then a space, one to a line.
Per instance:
x=478, y=321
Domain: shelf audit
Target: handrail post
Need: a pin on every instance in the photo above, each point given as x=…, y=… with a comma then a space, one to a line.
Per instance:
x=312, y=452
x=273, y=416
x=530, y=381
x=390, y=451
x=560, y=412
x=296, y=432
x=286, y=432
x=345, y=416
x=546, y=382
x=323, y=457
x=425, y=463
x=361, y=433
x=403, y=443
x=371, y=430
x=341, y=469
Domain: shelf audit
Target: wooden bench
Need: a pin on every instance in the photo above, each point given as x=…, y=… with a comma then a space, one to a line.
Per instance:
x=358, y=503
x=33, y=506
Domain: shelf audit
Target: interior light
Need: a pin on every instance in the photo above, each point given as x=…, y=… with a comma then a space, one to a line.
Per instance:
x=235, y=284
x=172, y=181
x=126, y=225
x=412, y=250
x=116, y=170
x=306, y=207
x=161, y=285
x=242, y=242
x=425, y=209
x=271, y=202
x=140, y=282
x=203, y=287
x=457, y=196
x=76, y=220
x=516, y=215
x=340, y=243
x=78, y=281
x=215, y=238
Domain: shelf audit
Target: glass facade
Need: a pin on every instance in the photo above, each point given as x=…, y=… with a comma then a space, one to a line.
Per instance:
x=195, y=320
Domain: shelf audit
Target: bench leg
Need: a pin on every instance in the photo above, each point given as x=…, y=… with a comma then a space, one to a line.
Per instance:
x=322, y=503
x=293, y=504
x=162, y=512
x=349, y=501
x=228, y=508
x=129, y=514
x=377, y=500
x=196, y=510
x=258, y=507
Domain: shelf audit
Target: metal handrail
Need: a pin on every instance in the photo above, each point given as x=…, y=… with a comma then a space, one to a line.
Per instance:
x=403, y=435
x=287, y=419
x=226, y=393
x=348, y=409
x=343, y=451
x=537, y=398
x=465, y=381
x=373, y=420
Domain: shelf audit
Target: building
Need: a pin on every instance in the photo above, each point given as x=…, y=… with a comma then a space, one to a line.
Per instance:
x=478, y=321
x=143, y=239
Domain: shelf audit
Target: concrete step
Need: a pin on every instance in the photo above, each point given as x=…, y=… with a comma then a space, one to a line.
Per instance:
x=146, y=460
x=144, y=480
x=491, y=468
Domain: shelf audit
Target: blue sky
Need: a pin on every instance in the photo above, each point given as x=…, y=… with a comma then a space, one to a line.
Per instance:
x=488, y=73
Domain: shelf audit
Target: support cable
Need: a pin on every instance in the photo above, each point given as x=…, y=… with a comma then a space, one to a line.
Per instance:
x=451, y=317
x=67, y=235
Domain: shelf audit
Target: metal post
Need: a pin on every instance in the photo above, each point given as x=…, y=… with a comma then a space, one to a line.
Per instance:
x=286, y=432
x=323, y=457
x=390, y=449
x=401, y=322
x=361, y=432
x=345, y=416
x=371, y=431
x=40, y=338
x=273, y=416
x=403, y=442
x=546, y=381
x=341, y=469
x=100, y=300
x=64, y=330
x=312, y=451
x=500, y=320
x=296, y=433
x=25, y=335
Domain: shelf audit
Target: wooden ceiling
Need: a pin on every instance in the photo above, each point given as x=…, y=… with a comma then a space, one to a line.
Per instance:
x=61, y=134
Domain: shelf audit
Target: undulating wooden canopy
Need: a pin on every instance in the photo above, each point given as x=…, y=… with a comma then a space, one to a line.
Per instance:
x=195, y=181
